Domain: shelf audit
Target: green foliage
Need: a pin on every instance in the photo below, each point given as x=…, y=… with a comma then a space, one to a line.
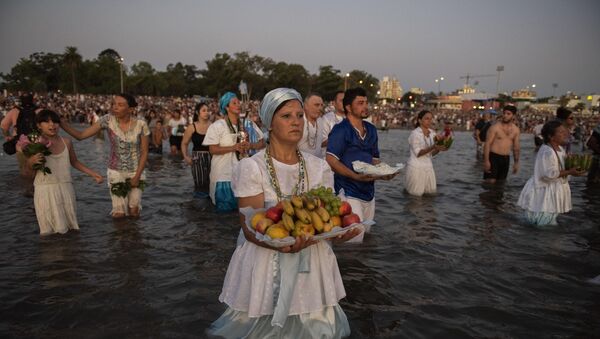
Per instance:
x=69, y=72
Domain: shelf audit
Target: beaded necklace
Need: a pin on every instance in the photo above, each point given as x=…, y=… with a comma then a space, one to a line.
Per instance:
x=300, y=185
x=233, y=131
x=308, y=137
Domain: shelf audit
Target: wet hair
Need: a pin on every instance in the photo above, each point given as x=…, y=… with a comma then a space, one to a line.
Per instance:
x=351, y=94
x=130, y=99
x=197, y=110
x=46, y=115
x=563, y=113
x=421, y=115
x=549, y=129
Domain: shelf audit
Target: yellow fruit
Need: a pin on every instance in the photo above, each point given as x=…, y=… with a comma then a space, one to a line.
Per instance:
x=327, y=226
x=316, y=221
x=277, y=232
x=287, y=221
x=297, y=201
x=288, y=207
x=302, y=214
x=336, y=220
x=302, y=229
x=309, y=204
x=323, y=213
x=256, y=218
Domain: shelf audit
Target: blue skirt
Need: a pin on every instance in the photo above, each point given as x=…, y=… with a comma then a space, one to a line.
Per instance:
x=224, y=198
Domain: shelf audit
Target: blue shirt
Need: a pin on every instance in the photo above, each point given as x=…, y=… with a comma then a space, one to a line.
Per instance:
x=347, y=146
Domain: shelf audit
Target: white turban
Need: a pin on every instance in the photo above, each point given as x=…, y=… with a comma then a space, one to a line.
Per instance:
x=272, y=100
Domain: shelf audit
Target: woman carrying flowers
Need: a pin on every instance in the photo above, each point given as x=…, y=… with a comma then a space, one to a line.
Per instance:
x=128, y=138
x=50, y=160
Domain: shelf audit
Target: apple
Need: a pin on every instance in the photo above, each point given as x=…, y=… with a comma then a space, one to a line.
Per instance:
x=350, y=219
x=274, y=213
x=345, y=208
x=263, y=224
x=256, y=218
x=336, y=221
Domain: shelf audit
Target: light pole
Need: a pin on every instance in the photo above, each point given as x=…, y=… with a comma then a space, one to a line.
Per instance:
x=346, y=81
x=121, y=60
x=499, y=69
x=439, y=83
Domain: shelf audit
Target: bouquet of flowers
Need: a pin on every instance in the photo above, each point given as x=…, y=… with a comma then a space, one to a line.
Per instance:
x=32, y=144
x=582, y=162
x=121, y=189
x=444, y=140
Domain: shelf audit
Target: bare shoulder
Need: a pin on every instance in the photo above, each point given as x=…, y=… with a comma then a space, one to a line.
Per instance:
x=68, y=141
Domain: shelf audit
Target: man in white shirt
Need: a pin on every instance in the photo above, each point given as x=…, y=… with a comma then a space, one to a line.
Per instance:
x=332, y=118
x=312, y=138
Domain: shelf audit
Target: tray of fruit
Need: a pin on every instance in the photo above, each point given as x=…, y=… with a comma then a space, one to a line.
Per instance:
x=379, y=169
x=318, y=214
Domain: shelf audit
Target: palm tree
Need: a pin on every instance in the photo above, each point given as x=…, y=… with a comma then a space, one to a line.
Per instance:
x=72, y=59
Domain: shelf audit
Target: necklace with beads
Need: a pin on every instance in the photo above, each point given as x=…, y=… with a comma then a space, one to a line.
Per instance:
x=312, y=143
x=300, y=185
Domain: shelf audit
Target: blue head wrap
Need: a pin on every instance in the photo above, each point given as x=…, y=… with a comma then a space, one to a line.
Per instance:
x=273, y=99
x=224, y=101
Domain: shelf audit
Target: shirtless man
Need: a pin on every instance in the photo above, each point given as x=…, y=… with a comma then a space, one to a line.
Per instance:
x=501, y=137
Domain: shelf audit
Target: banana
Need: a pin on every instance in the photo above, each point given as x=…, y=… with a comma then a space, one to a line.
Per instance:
x=323, y=214
x=308, y=203
x=316, y=221
x=297, y=201
x=287, y=221
x=327, y=226
x=288, y=207
x=317, y=201
x=302, y=229
x=302, y=215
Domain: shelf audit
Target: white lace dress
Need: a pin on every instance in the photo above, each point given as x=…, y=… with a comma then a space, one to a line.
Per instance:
x=257, y=277
x=420, y=176
x=54, y=196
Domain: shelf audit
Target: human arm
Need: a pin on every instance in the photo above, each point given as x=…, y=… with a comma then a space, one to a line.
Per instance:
x=338, y=167
x=516, y=151
x=187, y=136
x=10, y=120
x=80, y=135
x=79, y=166
x=491, y=134
x=135, y=181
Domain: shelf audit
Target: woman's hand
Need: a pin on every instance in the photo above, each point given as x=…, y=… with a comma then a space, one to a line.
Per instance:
x=440, y=148
x=36, y=159
x=300, y=244
x=576, y=172
x=187, y=159
x=98, y=178
x=346, y=236
x=135, y=181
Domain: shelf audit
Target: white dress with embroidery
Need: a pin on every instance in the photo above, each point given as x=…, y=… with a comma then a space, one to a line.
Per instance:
x=54, y=196
x=420, y=176
x=253, y=279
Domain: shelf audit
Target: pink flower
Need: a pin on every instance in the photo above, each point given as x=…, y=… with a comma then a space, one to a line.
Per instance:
x=23, y=141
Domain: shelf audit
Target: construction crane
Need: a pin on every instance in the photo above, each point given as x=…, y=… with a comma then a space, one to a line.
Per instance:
x=469, y=76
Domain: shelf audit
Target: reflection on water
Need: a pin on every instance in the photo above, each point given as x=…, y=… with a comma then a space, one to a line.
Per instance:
x=461, y=263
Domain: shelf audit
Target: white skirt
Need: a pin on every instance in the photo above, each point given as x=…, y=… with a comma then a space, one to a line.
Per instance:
x=419, y=181
x=55, y=207
x=553, y=198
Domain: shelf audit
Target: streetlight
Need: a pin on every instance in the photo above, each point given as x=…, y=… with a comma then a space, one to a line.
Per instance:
x=346, y=81
x=121, y=60
x=439, y=83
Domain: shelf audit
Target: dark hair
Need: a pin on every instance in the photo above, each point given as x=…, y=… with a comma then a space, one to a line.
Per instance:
x=421, y=115
x=351, y=94
x=26, y=100
x=563, y=113
x=46, y=115
x=130, y=99
x=510, y=108
x=197, y=110
x=336, y=94
x=549, y=130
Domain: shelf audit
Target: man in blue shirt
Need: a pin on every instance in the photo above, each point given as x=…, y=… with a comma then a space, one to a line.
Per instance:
x=350, y=140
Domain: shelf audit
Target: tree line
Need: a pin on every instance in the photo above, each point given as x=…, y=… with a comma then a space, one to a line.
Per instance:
x=70, y=73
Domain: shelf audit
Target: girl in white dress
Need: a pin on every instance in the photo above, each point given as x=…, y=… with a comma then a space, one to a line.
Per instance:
x=420, y=177
x=54, y=197
x=547, y=193
x=289, y=292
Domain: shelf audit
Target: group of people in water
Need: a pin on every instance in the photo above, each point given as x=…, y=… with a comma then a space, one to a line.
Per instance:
x=239, y=165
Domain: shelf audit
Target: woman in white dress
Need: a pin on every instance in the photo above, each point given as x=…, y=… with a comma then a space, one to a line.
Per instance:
x=547, y=193
x=420, y=176
x=54, y=197
x=289, y=292
x=226, y=148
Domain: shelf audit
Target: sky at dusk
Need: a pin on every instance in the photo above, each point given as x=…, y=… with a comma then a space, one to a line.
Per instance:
x=538, y=42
